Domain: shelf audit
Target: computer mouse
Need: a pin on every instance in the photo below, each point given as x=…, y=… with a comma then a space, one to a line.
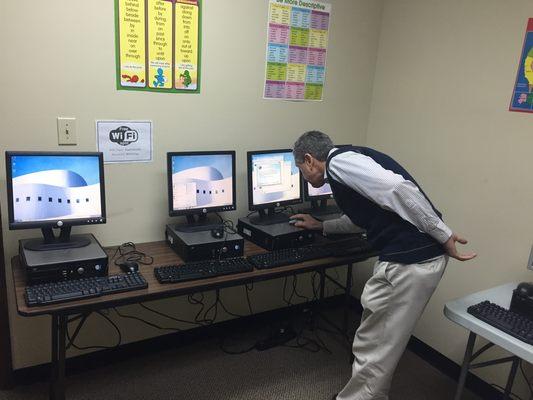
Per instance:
x=129, y=266
x=217, y=233
x=525, y=289
x=292, y=221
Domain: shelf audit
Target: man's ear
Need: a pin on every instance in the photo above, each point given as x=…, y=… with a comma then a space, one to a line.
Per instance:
x=308, y=159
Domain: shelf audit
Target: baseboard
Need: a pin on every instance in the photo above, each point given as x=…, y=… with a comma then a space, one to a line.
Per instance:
x=79, y=364
x=452, y=369
x=85, y=362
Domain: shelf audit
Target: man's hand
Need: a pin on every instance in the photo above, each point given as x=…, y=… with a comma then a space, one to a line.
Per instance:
x=450, y=248
x=307, y=222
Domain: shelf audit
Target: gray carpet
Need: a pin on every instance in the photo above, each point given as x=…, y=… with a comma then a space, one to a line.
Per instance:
x=203, y=372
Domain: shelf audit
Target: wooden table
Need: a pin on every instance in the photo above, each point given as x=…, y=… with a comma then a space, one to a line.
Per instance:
x=163, y=255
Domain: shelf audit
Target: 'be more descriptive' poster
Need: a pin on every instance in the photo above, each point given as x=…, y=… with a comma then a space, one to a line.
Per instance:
x=158, y=45
x=296, y=49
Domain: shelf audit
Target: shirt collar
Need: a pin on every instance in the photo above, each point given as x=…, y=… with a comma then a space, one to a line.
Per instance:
x=325, y=169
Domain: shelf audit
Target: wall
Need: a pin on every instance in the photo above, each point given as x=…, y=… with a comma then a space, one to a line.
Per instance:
x=59, y=60
x=443, y=82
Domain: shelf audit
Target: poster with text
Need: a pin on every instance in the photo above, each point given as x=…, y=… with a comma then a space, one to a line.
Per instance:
x=297, y=41
x=522, y=99
x=124, y=141
x=158, y=45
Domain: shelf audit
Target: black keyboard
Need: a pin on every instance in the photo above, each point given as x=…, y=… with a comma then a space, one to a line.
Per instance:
x=78, y=289
x=279, y=258
x=513, y=324
x=351, y=246
x=201, y=270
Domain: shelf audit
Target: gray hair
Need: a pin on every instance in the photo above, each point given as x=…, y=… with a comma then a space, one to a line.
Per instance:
x=316, y=143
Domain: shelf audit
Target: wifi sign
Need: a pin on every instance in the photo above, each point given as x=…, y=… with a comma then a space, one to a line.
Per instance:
x=123, y=135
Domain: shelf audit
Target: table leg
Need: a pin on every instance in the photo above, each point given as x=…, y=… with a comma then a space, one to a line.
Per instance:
x=322, y=283
x=347, y=296
x=466, y=364
x=57, y=381
x=512, y=375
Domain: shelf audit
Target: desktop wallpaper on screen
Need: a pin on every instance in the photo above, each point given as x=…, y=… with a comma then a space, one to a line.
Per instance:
x=322, y=190
x=201, y=181
x=55, y=187
x=275, y=178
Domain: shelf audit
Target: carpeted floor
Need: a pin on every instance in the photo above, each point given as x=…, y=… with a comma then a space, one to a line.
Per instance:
x=202, y=371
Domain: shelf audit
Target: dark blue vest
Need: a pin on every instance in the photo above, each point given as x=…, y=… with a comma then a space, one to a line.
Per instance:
x=396, y=239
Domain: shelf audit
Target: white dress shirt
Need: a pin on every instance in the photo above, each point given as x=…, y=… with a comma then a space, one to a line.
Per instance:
x=387, y=189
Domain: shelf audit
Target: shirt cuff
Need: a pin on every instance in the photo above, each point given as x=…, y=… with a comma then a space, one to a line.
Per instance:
x=441, y=233
x=328, y=227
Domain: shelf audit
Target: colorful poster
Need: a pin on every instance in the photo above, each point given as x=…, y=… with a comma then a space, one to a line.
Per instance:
x=522, y=99
x=132, y=70
x=296, y=49
x=186, y=50
x=158, y=45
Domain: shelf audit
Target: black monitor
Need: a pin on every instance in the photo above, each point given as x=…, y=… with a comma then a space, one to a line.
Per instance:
x=273, y=181
x=55, y=190
x=319, y=196
x=200, y=183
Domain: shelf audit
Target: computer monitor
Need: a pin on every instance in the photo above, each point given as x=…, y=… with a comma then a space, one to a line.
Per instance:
x=55, y=190
x=199, y=183
x=319, y=196
x=273, y=180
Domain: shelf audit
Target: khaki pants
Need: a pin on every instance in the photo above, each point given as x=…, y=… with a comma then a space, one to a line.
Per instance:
x=393, y=300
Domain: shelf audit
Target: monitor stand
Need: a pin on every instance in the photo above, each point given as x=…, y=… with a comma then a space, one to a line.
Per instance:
x=198, y=223
x=320, y=207
x=269, y=217
x=61, y=242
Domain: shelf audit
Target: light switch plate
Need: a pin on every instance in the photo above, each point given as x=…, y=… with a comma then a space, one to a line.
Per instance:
x=66, y=131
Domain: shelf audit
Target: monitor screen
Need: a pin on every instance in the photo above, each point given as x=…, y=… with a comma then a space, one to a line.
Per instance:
x=202, y=181
x=275, y=178
x=51, y=187
x=324, y=190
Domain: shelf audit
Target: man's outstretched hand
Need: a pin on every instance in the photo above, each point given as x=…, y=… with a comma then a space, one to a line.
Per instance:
x=307, y=222
x=450, y=248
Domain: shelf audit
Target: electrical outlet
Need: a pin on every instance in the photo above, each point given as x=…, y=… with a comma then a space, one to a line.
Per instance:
x=66, y=131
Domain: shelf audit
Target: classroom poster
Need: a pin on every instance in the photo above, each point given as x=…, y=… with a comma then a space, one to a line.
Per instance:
x=297, y=41
x=522, y=99
x=125, y=141
x=158, y=45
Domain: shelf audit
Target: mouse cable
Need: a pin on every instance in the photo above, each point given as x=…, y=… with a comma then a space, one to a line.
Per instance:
x=153, y=325
x=70, y=339
x=168, y=316
x=128, y=252
x=219, y=298
x=248, y=290
x=294, y=285
x=194, y=301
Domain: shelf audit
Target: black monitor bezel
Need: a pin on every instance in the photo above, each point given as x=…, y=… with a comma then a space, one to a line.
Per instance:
x=203, y=210
x=264, y=206
x=13, y=225
x=308, y=197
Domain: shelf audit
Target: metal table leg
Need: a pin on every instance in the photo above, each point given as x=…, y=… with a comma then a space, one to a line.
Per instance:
x=347, y=296
x=512, y=375
x=57, y=380
x=322, y=283
x=466, y=364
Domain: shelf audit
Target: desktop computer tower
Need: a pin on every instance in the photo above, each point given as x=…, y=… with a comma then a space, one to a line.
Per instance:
x=275, y=236
x=64, y=264
x=197, y=246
